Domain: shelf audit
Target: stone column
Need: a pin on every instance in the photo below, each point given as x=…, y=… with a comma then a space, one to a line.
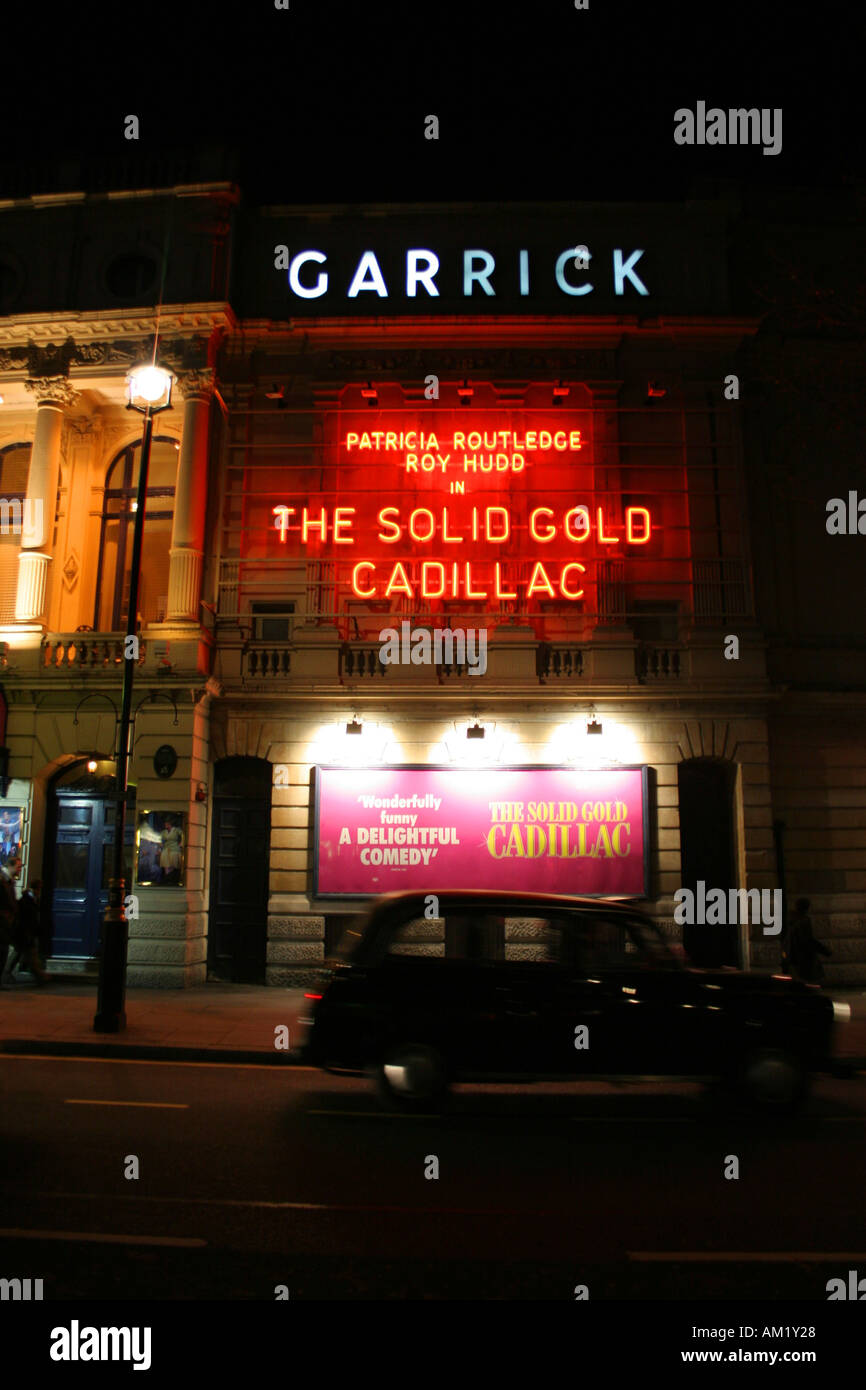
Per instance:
x=190, y=498
x=52, y=394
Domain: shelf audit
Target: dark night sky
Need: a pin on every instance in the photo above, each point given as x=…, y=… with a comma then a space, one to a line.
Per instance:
x=326, y=102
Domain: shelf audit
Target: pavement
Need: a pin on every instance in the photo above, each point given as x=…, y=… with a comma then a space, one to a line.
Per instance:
x=235, y=1023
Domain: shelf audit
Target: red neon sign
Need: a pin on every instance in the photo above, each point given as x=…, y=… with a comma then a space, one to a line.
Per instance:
x=454, y=511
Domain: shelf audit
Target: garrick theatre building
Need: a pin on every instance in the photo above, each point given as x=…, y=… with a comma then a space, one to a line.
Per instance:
x=604, y=437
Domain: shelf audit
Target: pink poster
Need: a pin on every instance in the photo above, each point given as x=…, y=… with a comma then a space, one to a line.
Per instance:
x=533, y=829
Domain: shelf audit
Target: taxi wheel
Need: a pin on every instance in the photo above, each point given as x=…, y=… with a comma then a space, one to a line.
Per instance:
x=410, y=1075
x=772, y=1079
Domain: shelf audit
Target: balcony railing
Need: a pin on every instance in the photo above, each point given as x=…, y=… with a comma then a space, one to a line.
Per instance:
x=658, y=663
x=92, y=651
x=565, y=662
x=358, y=661
x=259, y=663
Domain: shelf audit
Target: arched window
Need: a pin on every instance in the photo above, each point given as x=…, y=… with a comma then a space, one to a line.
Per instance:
x=14, y=467
x=115, y=545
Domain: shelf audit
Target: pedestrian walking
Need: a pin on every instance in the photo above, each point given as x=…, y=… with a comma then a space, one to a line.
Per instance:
x=28, y=933
x=804, y=948
x=9, y=873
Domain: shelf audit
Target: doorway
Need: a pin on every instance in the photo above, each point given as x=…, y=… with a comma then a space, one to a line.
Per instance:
x=81, y=830
x=240, y=868
x=706, y=794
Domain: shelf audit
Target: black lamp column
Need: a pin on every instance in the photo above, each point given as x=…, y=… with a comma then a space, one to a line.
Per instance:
x=111, y=999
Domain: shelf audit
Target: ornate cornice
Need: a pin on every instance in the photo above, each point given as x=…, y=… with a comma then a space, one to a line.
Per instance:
x=54, y=390
x=192, y=323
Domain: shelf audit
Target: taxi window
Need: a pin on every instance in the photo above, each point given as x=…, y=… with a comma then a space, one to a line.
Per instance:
x=458, y=934
x=605, y=943
x=574, y=941
x=420, y=938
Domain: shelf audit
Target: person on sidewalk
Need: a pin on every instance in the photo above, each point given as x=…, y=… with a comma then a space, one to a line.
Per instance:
x=804, y=948
x=28, y=932
x=9, y=873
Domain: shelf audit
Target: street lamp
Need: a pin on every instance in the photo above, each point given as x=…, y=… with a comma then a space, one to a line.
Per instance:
x=149, y=392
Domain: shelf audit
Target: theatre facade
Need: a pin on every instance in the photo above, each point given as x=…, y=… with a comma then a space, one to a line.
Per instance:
x=483, y=548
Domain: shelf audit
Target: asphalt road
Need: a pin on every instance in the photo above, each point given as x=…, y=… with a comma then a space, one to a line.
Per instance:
x=254, y=1176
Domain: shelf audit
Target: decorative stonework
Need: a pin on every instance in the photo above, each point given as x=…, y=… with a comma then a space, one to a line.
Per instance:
x=49, y=360
x=293, y=952
x=13, y=359
x=84, y=427
x=91, y=354
x=196, y=383
x=52, y=390
x=296, y=928
x=71, y=570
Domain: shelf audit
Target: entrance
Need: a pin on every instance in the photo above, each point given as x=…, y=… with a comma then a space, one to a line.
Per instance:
x=240, y=867
x=83, y=809
x=706, y=792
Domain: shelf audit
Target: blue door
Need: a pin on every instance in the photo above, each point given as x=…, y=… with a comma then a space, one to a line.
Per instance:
x=82, y=867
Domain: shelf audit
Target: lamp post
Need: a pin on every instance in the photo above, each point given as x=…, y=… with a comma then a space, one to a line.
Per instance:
x=149, y=392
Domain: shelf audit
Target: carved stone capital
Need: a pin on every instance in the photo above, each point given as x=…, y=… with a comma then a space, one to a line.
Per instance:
x=198, y=383
x=52, y=390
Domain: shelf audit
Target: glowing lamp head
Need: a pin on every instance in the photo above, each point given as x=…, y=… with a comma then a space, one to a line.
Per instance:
x=149, y=387
x=91, y=764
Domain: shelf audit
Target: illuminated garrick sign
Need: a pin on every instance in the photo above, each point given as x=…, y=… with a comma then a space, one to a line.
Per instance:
x=478, y=271
x=484, y=259
x=478, y=514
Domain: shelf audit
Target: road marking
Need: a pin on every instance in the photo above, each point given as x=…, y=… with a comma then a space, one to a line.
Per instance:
x=147, y=1061
x=742, y=1256
x=186, y=1241
x=139, y=1104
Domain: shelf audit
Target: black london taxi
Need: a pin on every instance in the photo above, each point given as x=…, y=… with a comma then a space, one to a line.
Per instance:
x=492, y=986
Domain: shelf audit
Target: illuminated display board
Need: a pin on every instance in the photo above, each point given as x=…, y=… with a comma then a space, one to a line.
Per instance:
x=530, y=829
x=423, y=508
